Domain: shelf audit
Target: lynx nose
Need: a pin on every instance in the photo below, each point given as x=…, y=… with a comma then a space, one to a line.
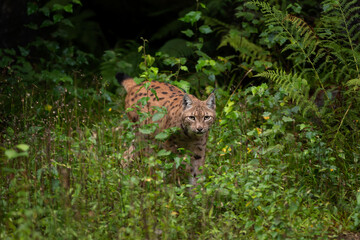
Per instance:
x=199, y=130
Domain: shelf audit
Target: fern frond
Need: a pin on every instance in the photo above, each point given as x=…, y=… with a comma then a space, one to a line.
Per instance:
x=304, y=42
x=354, y=84
x=249, y=51
x=354, y=30
x=297, y=88
x=342, y=20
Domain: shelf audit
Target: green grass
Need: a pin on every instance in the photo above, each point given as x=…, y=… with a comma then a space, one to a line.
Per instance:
x=268, y=175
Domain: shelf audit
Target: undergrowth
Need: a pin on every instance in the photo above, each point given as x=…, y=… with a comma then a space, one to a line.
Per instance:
x=282, y=159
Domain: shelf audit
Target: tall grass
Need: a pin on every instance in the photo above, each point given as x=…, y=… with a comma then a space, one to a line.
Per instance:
x=266, y=175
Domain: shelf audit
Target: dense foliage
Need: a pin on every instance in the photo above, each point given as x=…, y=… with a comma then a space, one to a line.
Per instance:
x=283, y=157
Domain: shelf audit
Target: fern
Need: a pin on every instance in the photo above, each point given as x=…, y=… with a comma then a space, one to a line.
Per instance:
x=297, y=88
x=249, y=52
x=329, y=54
x=301, y=40
x=354, y=83
x=342, y=26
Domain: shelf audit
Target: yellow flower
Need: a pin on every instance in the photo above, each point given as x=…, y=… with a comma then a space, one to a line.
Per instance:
x=48, y=107
x=259, y=130
x=266, y=118
x=110, y=109
x=331, y=169
x=249, y=150
x=226, y=149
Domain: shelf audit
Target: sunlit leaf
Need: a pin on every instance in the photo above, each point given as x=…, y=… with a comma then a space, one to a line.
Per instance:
x=23, y=147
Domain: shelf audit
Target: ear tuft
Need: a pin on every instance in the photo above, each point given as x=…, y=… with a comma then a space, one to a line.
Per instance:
x=121, y=77
x=187, y=102
x=210, y=102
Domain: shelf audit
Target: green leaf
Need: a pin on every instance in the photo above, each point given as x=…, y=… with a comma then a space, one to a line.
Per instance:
x=46, y=23
x=77, y=2
x=143, y=101
x=57, y=18
x=157, y=116
x=68, y=22
x=11, y=153
x=287, y=119
x=191, y=17
x=266, y=114
x=184, y=85
x=32, y=8
x=163, y=152
x=68, y=8
x=233, y=115
x=66, y=79
x=57, y=7
x=23, y=51
x=353, y=82
x=45, y=11
x=162, y=136
x=177, y=162
x=138, y=80
x=145, y=131
x=188, y=32
x=153, y=91
x=148, y=129
x=228, y=108
x=205, y=29
x=295, y=7
x=184, y=68
x=23, y=147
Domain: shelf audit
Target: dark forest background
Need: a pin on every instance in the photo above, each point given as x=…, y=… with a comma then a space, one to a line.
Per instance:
x=107, y=23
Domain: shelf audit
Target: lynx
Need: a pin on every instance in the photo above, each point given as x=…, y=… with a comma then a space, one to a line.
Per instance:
x=192, y=116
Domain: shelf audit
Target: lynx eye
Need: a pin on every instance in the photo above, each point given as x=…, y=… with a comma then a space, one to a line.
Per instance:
x=192, y=118
x=207, y=118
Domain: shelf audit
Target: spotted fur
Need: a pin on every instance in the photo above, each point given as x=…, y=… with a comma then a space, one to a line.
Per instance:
x=192, y=116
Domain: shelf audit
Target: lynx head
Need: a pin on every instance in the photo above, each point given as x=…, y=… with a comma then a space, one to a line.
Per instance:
x=198, y=116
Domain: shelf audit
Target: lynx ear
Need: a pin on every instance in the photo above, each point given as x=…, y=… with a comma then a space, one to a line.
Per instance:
x=210, y=102
x=187, y=102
